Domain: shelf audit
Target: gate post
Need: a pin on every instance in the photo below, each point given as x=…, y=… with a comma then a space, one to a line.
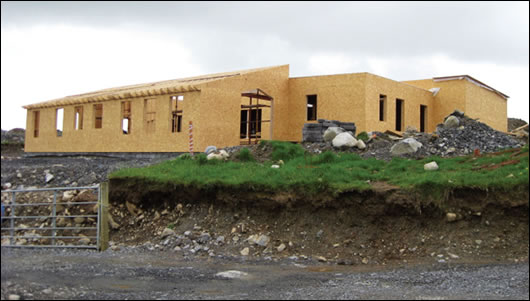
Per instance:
x=104, y=218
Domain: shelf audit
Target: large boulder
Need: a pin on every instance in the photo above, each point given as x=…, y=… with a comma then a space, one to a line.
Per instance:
x=215, y=156
x=452, y=122
x=331, y=133
x=344, y=140
x=405, y=146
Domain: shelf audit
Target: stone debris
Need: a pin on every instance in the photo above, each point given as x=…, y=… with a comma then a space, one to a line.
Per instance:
x=232, y=274
x=405, y=146
x=450, y=217
x=459, y=135
x=430, y=166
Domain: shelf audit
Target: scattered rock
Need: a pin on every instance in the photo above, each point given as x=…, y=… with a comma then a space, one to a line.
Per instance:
x=331, y=133
x=245, y=251
x=49, y=177
x=281, y=247
x=262, y=240
x=431, y=166
x=344, y=140
x=13, y=297
x=68, y=195
x=450, y=217
x=321, y=258
x=167, y=232
x=210, y=149
x=232, y=274
x=405, y=146
x=365, y=260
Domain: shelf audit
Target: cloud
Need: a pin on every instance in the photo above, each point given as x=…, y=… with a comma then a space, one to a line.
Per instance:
x=53, y=49
x=52, y=61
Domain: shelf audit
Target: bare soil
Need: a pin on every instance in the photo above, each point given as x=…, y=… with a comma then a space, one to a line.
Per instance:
x=382, y=226
x=378, y=227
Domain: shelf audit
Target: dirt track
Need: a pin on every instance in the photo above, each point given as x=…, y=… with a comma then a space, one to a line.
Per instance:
x=35, y=274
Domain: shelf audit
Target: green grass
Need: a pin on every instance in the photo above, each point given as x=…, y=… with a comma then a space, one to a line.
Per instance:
x=335, y=173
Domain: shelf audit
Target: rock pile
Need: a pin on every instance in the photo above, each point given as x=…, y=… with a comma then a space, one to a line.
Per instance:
x=313, y=132
x=16, y=135
x=467, y=137
x=458, y=135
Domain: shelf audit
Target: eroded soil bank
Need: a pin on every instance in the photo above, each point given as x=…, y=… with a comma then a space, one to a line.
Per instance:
x=381, y=226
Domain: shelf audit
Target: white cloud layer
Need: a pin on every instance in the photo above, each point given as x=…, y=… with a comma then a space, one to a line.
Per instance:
x=52, y=49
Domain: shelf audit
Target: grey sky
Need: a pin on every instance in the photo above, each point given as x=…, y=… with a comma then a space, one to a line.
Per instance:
x=106, y=44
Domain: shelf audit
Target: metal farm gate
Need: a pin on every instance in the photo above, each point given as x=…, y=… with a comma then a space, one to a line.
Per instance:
x=61, y=217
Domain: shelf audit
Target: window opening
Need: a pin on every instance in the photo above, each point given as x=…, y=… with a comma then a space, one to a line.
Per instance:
x=423, y=118
x=311, y=107
x=59, y=118
x=78, y=120
x=382, y=101
x=98, y=116
x=176, y=114
x=399, y=114
x=126, y=117
x=36, y=121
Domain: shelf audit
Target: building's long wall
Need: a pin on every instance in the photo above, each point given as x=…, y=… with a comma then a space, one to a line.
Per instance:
x=110, y=137
x=220, y=107
x=216, y=111
x=339, y=97
x=412, y=97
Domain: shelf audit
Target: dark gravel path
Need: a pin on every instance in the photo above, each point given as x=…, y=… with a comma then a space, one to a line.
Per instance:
x=78, y=274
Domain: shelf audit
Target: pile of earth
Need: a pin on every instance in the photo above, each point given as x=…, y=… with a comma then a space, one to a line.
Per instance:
x=514, y=123
x=16, y=135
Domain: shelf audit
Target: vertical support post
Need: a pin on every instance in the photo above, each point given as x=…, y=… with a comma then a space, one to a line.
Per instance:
x=249, y=122
x=191, y=139
x=12, y=223
x=54, y=217
x=104, y=218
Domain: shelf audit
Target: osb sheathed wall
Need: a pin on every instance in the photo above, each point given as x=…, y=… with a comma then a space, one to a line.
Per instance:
x=220, y=107
x=110, y=137
x=486, y=105
x=339, y=97
x=463, y=95
x=412, y=97
x=216, y=111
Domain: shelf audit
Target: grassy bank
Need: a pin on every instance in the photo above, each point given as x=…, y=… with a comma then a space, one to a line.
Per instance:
x=329, y=172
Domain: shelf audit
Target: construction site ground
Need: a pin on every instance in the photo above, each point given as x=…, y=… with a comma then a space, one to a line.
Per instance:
x=381, y=230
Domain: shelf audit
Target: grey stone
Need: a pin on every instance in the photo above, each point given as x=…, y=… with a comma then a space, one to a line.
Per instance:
x=210, y=149
x=452, y=122
x=431, y=166
x=405, y=146
x=331, y=133
x=49, y=177
x=344, y=140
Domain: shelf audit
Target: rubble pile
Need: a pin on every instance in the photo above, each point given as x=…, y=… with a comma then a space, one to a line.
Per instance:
x=469, y=136
x=458, y=135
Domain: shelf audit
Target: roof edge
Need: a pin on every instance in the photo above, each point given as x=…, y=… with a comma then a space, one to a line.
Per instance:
x=471, y=80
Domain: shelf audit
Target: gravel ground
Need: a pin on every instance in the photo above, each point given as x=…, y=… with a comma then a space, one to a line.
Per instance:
x=80, y=274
